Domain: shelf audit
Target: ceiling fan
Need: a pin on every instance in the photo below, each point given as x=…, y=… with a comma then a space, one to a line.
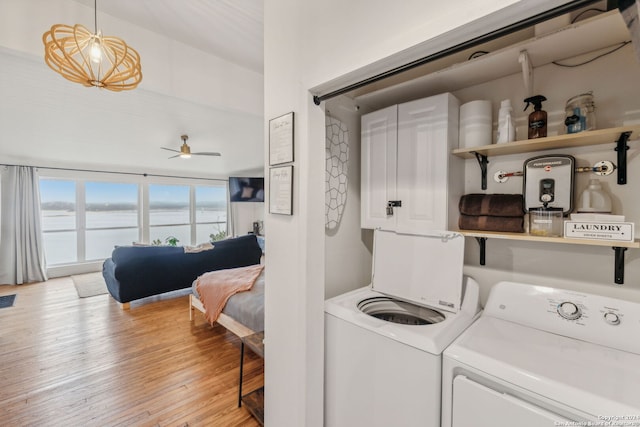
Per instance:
x=185, y=150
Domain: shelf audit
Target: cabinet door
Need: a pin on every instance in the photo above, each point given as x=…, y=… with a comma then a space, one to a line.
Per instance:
x=424, y=139
x=378, y=185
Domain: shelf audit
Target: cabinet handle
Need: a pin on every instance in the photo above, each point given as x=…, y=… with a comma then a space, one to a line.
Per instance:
x=393, y=204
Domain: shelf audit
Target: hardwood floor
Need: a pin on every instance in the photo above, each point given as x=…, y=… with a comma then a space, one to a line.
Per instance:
x=69, y=361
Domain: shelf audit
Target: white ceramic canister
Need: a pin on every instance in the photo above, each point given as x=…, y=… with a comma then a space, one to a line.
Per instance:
x=475, y=124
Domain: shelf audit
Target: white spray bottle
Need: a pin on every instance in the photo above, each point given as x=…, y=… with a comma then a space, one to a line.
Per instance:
x=506, y=128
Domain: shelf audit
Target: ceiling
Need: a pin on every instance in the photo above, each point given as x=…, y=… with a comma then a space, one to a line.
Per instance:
x=230, y=29
x=48, y=121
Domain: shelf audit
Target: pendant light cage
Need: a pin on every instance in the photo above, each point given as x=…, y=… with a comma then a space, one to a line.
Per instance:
x=91, y=59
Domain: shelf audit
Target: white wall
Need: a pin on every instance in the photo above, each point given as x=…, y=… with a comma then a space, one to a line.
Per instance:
x=184, y=90
x=295, y=270
x=348, y=248
x=244, y=214
x=313, y=46
x=170, y=68
x=616, y=102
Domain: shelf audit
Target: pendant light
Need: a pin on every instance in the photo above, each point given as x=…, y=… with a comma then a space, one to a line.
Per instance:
x=91, y=59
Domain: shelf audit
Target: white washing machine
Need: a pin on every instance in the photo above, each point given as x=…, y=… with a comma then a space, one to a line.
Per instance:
x=384, y=342
x=540, y=356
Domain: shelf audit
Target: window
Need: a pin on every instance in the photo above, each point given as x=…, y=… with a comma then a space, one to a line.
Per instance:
x=82, y=220
x=169, y=213
x=59, y=225
x=111, y=217
x=211, y=212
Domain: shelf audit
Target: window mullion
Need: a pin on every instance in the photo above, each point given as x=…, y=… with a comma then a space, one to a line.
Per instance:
x=144, y=213
x=192, y=213
x=81, y=220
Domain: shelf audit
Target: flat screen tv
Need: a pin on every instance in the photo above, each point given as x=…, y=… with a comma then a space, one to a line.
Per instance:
x=244, y=189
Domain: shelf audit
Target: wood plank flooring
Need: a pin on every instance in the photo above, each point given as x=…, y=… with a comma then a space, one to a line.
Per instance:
x=69, y=361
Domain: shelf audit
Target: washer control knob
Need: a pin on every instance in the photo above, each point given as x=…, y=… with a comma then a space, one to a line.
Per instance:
x=612, y=318
x=569, y=310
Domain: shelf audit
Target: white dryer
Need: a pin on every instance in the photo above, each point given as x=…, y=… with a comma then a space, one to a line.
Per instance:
x=384, y=342
x=540, y=356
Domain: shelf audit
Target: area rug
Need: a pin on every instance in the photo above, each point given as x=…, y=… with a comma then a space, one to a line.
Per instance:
x=7, y=300
x=89, y=285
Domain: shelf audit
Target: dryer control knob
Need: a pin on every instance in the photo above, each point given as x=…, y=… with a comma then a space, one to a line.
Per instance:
x=612, y=318
x=569, y=310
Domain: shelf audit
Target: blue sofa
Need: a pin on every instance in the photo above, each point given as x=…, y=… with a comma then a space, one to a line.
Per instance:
x=135, y=272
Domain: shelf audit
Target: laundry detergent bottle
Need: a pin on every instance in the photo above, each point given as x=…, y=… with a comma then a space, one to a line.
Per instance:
x=594, y=199
x=506, y=127
x=538, y=118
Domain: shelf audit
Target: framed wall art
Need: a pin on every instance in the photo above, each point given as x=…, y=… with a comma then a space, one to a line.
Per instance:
x=281, y=190
x=281, y=139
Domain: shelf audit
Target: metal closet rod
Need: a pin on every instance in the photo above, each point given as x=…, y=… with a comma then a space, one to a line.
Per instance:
x=525, y=23
x=118, y=173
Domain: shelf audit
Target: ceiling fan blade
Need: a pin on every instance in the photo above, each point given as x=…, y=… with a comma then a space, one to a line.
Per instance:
x=173, y=157
x=206, y=153
x=170, y=149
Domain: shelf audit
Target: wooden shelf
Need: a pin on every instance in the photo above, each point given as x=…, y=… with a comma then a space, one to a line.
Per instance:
x=255, y=342
x=581, y=139
x=254, y=403
x=619, y=247
x=529, y=238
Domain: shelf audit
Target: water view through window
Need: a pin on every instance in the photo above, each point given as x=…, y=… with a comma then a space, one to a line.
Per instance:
x=58, y=205
x=111, y=217
x=83, y=221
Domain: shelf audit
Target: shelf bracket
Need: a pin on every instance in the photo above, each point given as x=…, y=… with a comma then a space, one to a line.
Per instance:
x=619, y=265
x=482, y=241
x=621, y=148
x=482, y=161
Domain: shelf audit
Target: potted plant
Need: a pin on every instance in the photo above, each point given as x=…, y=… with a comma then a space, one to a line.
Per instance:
x=171, y=241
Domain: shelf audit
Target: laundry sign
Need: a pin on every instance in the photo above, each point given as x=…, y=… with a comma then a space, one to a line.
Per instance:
x=617, y=231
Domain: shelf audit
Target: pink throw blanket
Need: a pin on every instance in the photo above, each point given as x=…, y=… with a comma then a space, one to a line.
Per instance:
x=216, y=287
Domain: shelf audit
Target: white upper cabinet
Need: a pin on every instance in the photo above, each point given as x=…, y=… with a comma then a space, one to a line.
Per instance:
x=406, y=162
x=379, y=162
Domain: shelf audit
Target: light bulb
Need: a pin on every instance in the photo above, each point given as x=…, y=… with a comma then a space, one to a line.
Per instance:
x=95, y=49
x=185, y=156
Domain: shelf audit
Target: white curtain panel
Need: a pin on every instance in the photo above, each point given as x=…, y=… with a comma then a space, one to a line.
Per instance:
x=21, y=244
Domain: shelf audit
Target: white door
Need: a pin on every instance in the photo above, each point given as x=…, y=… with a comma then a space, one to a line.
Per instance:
x=378, y=184
x=424, y=141
x=476, y=405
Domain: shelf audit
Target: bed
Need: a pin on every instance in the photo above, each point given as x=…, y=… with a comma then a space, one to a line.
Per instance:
x=243, y=313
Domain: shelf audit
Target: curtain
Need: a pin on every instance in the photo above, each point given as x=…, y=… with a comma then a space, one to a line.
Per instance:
x=230, y=219
x=21, y=244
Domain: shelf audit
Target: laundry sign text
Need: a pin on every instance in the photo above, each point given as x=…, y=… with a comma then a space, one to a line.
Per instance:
x=618, y=231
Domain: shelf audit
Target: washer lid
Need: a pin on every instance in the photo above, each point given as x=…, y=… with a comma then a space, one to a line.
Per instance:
x=426, y=270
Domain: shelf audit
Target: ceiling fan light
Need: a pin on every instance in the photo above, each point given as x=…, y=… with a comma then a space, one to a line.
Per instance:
x=185, y=151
